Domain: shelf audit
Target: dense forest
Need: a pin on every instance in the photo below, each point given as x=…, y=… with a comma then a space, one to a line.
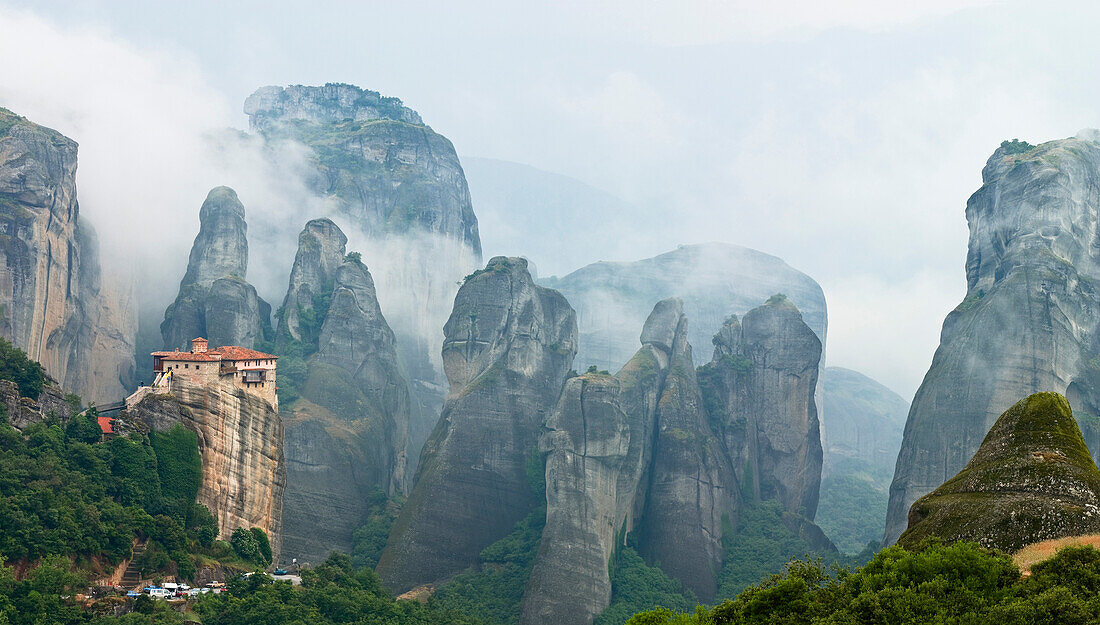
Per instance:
x=957, y=583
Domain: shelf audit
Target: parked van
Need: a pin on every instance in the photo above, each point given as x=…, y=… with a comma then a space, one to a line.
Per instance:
x=157, y=593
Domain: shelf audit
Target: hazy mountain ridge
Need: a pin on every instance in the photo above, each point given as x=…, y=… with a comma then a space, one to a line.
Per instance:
x=714, y=280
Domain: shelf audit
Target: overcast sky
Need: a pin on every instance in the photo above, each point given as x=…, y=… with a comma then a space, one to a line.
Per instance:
x=844, y=139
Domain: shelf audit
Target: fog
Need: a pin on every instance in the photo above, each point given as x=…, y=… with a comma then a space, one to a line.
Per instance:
x=843, y=139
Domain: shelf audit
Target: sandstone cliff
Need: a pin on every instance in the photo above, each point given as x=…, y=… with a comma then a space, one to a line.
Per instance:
x=214, y=299
x=241, y=443
x=54, y=303
x=660, y=452
x=760, y=386
x=399, y=190
x=599, y=446
x=1032, y=479
x=508, y=345
x=347, y=435
x=321, y=249
x=692, y=485
x=1028, y=317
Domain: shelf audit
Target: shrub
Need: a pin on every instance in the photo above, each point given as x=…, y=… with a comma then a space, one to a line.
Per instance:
x=1015, y=146
x=203, y=523
x=637, y=586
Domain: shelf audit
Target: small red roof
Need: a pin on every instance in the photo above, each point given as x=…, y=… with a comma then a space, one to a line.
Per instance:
x=105, y=425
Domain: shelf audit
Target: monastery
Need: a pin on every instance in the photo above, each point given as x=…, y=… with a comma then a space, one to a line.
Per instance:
x=250, y=370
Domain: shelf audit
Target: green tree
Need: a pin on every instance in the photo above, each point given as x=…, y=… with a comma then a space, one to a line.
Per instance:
x=17, y=367
x=179, y=468
x=203, y=523
x=245, y=545
x=84, y=427
x=637, y=586
x=263, y=544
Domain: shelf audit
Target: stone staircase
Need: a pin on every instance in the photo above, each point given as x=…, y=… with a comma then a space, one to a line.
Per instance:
x=131, y=578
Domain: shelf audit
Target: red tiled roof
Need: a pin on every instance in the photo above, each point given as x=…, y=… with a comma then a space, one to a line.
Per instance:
x=227, y=352
x=105, y=425
x=232, y=352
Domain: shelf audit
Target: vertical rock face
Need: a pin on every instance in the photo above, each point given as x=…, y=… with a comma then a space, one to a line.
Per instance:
x=658, y=452
x=241, y=444
x=214, y=300
x=321, y=247
x=760, y=386
x=221, y=247
x=348, y=434
x=598, y=447
x=1026, y=322
x=401, y=188
x=692, y=486
x=53, y=303
x=508, y=345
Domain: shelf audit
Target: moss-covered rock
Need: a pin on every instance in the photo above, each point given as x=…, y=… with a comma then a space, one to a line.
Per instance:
x=1032, y=479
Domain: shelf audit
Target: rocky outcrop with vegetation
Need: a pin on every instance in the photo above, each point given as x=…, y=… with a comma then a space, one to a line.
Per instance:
x=599, y=448
x=692, y=489
x=1029, y=318
x=55, y=302
x=240, y=441
x=346, y=402
x=215, y=301
x=398, y=189
x=663, y=453
x=321, y=250
x=761, y=385
x=1032, y=479
x=508, y=346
